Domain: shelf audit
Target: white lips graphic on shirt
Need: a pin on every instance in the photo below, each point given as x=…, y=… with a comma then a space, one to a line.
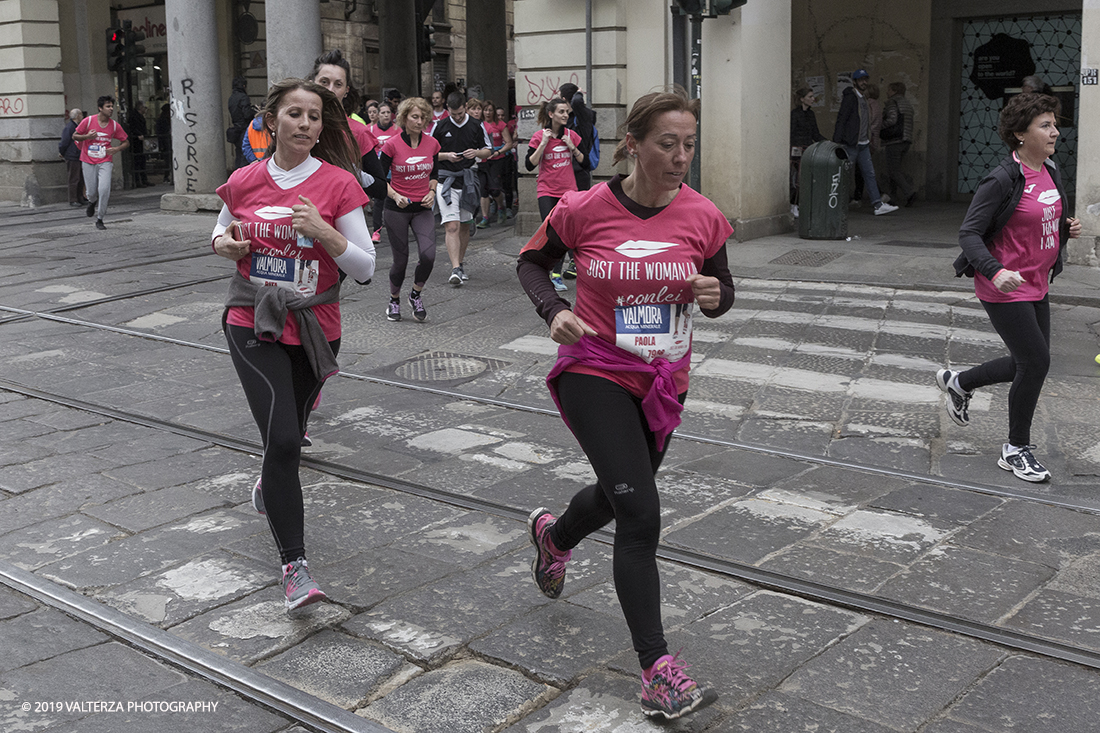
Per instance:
x=270, y=213
x=560, y=148
x=637, y=249
x=1049, y=196
x=416, y=159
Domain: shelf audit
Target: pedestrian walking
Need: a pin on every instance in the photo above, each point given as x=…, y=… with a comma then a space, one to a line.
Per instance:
x=462, y=143
x=163, y=129
x=382, y=130
x=622, y=371
x=897, y=138
x=552, y=150
x=289, y=223
x=804, y=133
x=501, y=138
x=853, y=131
x=69, y=150
x=1012, y=240
x=97, y=155
x=139, y=130
x=241, y=113
x=409, y=159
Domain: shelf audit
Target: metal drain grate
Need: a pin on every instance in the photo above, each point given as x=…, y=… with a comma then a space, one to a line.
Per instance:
x=442, y=366
x=806, y=258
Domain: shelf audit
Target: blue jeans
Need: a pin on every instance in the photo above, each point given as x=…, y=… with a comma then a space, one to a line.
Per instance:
x=861, y=155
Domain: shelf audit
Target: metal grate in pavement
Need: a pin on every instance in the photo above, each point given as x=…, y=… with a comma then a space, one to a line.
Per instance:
x=443, y=366
x=806, y=258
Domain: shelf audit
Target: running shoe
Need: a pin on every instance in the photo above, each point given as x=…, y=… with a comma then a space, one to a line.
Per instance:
x=958, y=400
x=306, y=440
x=90, y=211
x=100, y=225
x=299, y=586
x=376, y=237
x=462, y=271
x=559, y=284
x=570, y=271
x=548, y=567
x=258, y=498
x=483, y=223
x=456, y=277
x=884, y=208
x=1023, y=464
x=420, y=313
x=393, y=310
x=501, y=217
x=669, y=693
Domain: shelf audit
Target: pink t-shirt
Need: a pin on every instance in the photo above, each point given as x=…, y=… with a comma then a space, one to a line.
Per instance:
x=556, y=167
x=496, y=136
x=363, y=136
x=381, y=136
x=411, y=168
x=95, y=150
x=632, y=273
x=1028, y=243
x=279, y=257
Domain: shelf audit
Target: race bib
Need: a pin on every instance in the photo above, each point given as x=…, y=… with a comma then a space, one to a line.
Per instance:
x=97, y=150
x=654, y=331
x=293, y=274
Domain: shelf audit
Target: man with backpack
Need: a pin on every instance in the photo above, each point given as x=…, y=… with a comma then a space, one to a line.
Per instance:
x=897, y=137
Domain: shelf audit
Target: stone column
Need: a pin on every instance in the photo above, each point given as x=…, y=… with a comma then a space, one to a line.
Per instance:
x=397, y=46
x=487, y=49
x=1083, y=251
x=293, y=38
x=32, y=103
x=198, y=114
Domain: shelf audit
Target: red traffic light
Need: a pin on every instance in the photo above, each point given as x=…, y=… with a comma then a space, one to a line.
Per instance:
x=116, y=48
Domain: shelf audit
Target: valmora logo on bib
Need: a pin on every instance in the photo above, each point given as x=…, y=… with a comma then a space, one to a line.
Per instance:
x=637, y=249
x=271, y=213
x=1048, y=197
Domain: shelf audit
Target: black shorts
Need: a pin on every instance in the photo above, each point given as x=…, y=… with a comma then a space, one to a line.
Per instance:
x=493, y=172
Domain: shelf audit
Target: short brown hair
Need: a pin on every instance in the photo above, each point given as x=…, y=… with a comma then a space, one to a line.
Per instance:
x=407, y=105
x=1020, y=111
x=643, y=115
x=897, y=87
x=800, y=93
x=473, y=103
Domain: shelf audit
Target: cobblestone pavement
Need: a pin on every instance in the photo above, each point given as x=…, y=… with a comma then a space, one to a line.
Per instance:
x=814, y=447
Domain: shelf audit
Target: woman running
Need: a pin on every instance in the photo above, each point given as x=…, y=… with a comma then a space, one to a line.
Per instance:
x=501, y=138
x=1012, y=241
x=622, y=371
x=552, y=150
x=409, y=160
x=289, y=222
x=382, y=130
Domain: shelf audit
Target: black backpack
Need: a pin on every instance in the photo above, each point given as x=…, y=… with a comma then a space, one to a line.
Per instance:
x=895, y=131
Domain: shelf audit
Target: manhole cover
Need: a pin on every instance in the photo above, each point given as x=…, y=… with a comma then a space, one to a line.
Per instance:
x=806, y=258
x=439, y=366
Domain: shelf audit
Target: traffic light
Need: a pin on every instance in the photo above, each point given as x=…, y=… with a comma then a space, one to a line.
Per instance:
x=723, y=7
x=690, y=7
x=425, y=44
x=134, y=49
x=116, y=49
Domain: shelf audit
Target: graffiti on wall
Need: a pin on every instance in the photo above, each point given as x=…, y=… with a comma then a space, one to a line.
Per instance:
x=181, y=110
x=544, y=88
x=12, y=106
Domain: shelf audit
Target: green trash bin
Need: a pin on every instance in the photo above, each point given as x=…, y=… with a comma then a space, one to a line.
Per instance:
x=823, y=192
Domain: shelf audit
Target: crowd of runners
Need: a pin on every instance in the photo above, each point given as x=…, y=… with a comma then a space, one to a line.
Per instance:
x=295, y=224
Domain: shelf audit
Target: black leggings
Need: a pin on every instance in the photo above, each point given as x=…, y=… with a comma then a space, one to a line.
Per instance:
x=611, y=429
x=280, y=388
x=398, y=224
x=1024, y=326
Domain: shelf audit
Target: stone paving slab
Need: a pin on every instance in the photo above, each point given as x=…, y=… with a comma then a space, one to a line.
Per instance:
x=893, y=674
x=154, y=508
x=40, y=544
x=42, y=634
x=466, y=696
x=778, y=712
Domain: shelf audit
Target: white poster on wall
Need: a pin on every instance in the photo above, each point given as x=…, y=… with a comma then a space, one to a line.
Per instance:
x=150, y=21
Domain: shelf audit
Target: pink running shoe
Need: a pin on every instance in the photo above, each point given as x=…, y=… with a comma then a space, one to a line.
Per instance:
x=669, y=693
x=548, y=567
x=299, y=586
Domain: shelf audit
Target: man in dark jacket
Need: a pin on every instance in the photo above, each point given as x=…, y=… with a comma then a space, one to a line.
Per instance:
x=138, y=129
x=853, y=131
x=70, y=151
x=582, y=120
x=240, y=114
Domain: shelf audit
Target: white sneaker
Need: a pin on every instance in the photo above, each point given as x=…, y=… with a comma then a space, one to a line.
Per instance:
x=794, y=210
x=884, y=208
x=1022, y=463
